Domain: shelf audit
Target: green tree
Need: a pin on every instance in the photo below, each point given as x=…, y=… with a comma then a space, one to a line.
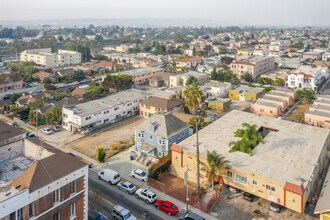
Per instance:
x=194, y=98
x=94, y=91
x=306, y=95
x=200, y=123
x=101, y=154
x=117, y=82
x=14, y=97
x=250, y=138
x=171, y=66
x=216, y=163
x=247, y=77
x=191, y=80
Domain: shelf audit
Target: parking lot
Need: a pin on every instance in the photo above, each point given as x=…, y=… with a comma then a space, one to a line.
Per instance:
x=233, y=206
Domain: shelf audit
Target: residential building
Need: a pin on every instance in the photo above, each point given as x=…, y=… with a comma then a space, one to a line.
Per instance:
x=11, y=82
x=219, y=104
x=32, y=98
x=276, y=74
x=254, y=66
x=216, y=89
x=189, y=61
x=266, y=108
x=42, y=76
x=245, y=93
x=155, y=135
x=326, y=57
x=322, y=206
x=307, y=77
x=103, y=111
x=41, y=182
x=143, y=75
x=111, y=66
x=79, y=92
x=318, y=113
x=245, y=52
x=46, y=59
x=153, y=105
x=162, y=80
x=181, y=79
x=312, y=55
x=285, y=169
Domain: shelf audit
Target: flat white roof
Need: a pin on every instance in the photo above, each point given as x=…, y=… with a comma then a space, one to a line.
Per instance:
x=323, y=203
x=289, y=154
x=140, y=72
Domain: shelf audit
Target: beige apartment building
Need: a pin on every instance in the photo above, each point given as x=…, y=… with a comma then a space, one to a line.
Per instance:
x=46, y=59
x=318, y=113
x=255, y=66
x=286, y=169
x=181, y=79
x=153, y=105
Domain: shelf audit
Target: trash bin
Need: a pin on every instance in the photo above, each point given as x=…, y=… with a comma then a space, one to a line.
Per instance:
x=131, y=157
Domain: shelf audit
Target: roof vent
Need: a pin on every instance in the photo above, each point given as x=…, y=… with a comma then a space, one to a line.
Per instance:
x=17, y=187
x=7, y=194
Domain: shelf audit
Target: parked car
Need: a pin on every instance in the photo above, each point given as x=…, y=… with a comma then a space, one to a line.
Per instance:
x=57, y=128
x=6, y=97
x=47, y=131
x=249, y=197
x=191, y=216
x=94, y=215
x=146, y=195
x=233, y=189
x=109, y=176
x=126, y=186
x=86, y=131
x=275, y=207
x=139, y=174
x=167, y=207
x=121, y=213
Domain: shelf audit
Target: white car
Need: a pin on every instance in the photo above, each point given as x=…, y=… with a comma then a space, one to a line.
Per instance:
x=47, y=131
x=139, y=174
x=146, y=195
x=127, y=187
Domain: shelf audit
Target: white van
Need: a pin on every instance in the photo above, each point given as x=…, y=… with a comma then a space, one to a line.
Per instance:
x=109, y=176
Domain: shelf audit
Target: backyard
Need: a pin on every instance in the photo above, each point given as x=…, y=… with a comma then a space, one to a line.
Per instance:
x=297, y=115
x=113, y=140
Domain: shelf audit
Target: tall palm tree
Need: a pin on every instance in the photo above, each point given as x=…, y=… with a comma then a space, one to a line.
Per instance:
x=250, y=138
x=214, y=166
x=171, y=66
x=194, y=97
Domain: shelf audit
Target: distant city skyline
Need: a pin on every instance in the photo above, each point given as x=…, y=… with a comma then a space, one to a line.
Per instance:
x=234, y=12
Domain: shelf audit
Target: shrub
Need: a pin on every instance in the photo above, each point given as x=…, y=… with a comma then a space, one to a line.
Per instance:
x=101, y=154
x=160, y=167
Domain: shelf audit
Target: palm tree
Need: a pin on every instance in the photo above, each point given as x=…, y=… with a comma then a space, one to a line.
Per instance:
x=171, y=66
x=214, y=167
x=250, y=138
x=194, y=97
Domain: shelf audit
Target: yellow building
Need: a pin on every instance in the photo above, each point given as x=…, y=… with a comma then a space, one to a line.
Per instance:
x=245, y=51
x=285, y=169
x=154, y=105
x=219, y=105
x=245, y=93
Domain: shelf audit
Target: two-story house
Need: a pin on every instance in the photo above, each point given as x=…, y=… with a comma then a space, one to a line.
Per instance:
x=155, y=135
x=10, y=82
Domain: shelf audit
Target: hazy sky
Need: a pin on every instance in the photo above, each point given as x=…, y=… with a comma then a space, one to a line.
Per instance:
x=254, y=12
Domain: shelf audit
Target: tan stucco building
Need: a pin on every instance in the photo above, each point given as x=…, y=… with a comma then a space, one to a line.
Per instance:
x=153, y=105
x=285, y=169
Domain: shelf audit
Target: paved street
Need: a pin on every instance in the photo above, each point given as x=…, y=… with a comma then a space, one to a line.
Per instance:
x=104, y=197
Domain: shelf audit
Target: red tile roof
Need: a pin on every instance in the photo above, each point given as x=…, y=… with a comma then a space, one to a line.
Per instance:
x=294, y=188
x=188, y=59
x=107, y=64
x=176, y=148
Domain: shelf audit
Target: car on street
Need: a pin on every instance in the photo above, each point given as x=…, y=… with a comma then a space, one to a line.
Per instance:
x=233, y=189
x=249, y=197
x=126, y=186
x=167, y=207
x=109, y=176
x=6, y=97
x=275, y=207
x=94, y=215
x=139, y=174
x=146, y=195
x=47, y=130
x=191, y=216
x=121, y=213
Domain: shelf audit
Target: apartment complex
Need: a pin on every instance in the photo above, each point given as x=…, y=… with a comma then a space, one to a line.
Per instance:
x=273, y=104
x=245, y=93
x=142, y=75
x=153, y=105
x=181, y=79
x=46, y=59
x=216, y=89
x=285, y=169
x=319, y=112
x=254, y=66
x=41, y=182
x=103, y=111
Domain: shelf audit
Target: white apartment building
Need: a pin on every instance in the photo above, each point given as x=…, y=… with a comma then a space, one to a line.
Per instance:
x=103, y=111
x=307, y=77
x=181, y=79
x=46, y=59
x=216, y=89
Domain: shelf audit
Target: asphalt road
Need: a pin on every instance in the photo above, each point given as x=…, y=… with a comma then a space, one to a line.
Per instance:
x=104, y=197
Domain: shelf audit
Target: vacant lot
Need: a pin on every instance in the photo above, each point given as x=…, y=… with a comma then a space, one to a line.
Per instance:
x=298, y=114
x=115, y=139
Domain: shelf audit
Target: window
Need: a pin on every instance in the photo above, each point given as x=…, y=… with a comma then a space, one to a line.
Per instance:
x=73, y=210
x=229, y=174
x=20, y=214
x=65, y=115
x=73, y=187
x=106, y=112
x=150, y=137
x=56, y=196
x=31, y=210
x=106, y=120
x=270, y=188
x=57, y=216
x=116, y=108
x=87, y=118
x=254, y=182
x=240, y=179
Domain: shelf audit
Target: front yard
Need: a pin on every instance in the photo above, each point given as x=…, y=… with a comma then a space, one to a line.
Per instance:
x=298, y=114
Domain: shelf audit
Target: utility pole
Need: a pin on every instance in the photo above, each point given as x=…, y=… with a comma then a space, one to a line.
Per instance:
x=186, y=183
x=197, y=155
